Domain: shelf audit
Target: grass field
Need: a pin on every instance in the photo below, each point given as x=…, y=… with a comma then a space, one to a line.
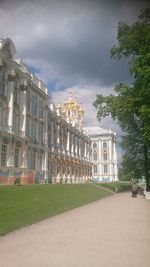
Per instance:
x=24, y=205
x=121, y=187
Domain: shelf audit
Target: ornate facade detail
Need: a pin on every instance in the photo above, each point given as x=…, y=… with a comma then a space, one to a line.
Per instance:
x=11, y=76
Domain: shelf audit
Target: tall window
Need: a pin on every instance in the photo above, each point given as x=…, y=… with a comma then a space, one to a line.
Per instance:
x=2, y=82
x=34, y=160
x=16, y=93
x=15, y=120
x=28, y=101
x=33, y=105
x=30, y=159
x=95, y=168
x=95, y=156
x=42, y=133
x=94, y=145
x=105, y=155
x=41, y=109
x=4, y=155
x=105, y=169
x=27, y=127
x=104, y=145
x=16, y=159
x=41, y=161
x=1, y=114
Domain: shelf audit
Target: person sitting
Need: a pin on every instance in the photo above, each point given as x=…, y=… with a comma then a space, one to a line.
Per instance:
x=134, y=190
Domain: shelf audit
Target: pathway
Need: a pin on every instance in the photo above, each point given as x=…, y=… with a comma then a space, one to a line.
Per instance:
x=112, y=232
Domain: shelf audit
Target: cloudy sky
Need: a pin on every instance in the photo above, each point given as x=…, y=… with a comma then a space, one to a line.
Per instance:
x=66, y=43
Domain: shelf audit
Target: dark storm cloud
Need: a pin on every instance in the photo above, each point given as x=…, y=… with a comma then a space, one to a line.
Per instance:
x=72, y=37
x=68, y=43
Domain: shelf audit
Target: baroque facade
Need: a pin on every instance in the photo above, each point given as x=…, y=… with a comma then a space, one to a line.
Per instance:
x=39, y=142
x=104, y=156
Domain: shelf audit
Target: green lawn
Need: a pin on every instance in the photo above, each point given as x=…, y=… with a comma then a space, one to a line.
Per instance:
x=121, y=187
x=24, y=205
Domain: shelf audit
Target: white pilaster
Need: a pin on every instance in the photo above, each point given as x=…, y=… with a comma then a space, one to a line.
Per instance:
x=85, y=149
x=110, y=149
x=11, y=149
x=23, y=105
x=46, y=148
x=58, y=135
x=68, y=141
x=52, y=133
x=72, y=144
x=115, y=164
x=11, y=78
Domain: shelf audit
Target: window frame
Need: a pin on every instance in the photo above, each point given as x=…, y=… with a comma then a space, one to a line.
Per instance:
x=3, y=155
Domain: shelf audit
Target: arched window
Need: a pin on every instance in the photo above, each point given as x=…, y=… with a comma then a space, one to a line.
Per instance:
x=95, y=155
x=104, y=145
x=105, y=155
x=94, y=145
x=95, y=168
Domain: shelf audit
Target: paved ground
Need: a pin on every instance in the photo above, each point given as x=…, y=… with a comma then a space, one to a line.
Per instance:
x=112, y=232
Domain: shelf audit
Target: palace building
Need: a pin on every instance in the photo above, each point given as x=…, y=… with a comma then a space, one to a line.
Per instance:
x=39, y=142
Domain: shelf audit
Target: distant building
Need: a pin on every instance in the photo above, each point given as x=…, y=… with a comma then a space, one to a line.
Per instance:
x=104, y=156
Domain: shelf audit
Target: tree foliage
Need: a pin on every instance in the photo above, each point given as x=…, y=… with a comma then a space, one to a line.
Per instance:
x=130, y=105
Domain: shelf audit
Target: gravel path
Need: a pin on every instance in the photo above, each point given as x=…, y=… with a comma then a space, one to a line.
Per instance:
x=112, y=232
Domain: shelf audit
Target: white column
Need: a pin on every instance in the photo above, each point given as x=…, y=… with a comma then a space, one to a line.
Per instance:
x=100, y=150
x=72, y=144
x=111, y=171
x=52, y=134
x=62, y=137
x=76, y=145
x=115, y=164
x=58, y=135
x=85, y=150
x=110, y=149
x=46, y=148
x=23, y=105
x=24, y=155
x=11, y=150
x=11, y=78
x=80, y=145
x=68, y=141
x=88, y=151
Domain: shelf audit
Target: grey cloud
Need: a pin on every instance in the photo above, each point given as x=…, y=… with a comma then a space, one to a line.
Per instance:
x=73, y=37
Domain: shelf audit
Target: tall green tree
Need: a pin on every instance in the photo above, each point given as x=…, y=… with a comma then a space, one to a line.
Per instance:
x=130, y=105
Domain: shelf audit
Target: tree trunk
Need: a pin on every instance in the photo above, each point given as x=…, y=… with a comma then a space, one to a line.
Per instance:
x=146, y=168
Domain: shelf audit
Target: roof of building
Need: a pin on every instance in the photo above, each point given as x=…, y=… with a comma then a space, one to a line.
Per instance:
x=98, y=131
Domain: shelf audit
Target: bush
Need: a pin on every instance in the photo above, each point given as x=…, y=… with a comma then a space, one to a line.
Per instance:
x=17, y=181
